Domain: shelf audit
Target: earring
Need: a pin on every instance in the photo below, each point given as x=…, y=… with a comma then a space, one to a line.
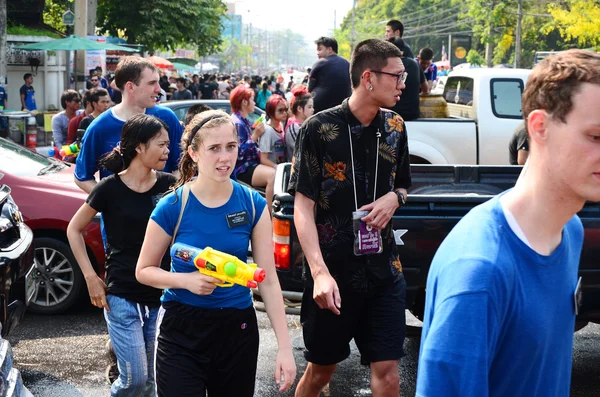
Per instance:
x=370, y=88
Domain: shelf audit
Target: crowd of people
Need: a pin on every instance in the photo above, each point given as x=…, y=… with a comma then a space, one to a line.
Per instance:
x=511, y=264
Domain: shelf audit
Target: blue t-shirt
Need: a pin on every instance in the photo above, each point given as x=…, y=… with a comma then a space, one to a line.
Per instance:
x=202, y=227
x=105, y=132
x=430, y=72
x=3, y=97
x=499, y=317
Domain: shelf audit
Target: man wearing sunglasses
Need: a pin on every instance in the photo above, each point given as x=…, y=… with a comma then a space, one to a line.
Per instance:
x=350, y=158
x=70, y=101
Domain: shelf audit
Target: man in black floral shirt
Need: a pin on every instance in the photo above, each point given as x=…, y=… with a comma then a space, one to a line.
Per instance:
x=348, y=158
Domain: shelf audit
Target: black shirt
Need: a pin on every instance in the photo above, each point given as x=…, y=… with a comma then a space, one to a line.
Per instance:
x=85, y=122
x=207, y=89
x=330, y=82
x=322, y=171
x=126, y=214
x=194, y=89
x=409, y=104
x=517, y=142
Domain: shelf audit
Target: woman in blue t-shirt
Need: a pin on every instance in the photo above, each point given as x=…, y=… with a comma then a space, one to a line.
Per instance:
x=208, y=334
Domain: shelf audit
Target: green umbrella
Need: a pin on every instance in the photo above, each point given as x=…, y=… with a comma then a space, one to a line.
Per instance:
x=182, y=66
x=73, y=43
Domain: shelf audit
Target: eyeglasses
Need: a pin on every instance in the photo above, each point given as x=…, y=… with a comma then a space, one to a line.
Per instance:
x=94, y=80
x=400, y=76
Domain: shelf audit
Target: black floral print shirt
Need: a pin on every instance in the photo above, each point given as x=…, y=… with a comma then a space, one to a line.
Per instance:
x=322, y=171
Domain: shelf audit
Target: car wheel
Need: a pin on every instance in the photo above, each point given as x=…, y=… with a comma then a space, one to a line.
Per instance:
x=58, y=279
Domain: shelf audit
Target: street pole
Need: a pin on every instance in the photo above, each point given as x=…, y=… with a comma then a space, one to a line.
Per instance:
x=3, y=45
x=353, y=31
x=450, y=50
x=518, y=35
x=81, y=20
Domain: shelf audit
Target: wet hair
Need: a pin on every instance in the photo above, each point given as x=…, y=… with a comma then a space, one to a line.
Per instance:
x=130, y=69
x=426, y=54
x=371, y=54
x=193, y=136
x=396, y=25
x=238, y=95
x=554, y=81
x=328, y=42
x=272, y=103
x=194, y=110
x=68, y=96
x=300, y=98
x=96, y=94
x=138, y=130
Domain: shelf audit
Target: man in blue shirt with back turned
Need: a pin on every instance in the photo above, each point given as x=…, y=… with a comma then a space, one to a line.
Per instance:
x=503, y=291
x=137, y=79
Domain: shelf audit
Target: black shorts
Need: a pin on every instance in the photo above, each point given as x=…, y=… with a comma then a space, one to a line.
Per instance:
x=206, y=350
x=246, y=176
x=375, y=320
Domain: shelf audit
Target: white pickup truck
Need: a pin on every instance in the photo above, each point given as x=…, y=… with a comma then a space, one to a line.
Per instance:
x=485, y=109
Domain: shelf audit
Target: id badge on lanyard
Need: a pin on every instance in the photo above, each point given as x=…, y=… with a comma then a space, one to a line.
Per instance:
x=367, y=240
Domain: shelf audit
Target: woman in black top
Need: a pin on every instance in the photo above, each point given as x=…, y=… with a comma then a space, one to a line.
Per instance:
x=126, y=200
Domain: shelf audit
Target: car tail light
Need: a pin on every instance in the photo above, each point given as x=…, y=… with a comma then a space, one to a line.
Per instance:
x=281, y=243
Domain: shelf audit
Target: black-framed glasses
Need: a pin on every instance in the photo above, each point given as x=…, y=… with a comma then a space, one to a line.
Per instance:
x=401, y=77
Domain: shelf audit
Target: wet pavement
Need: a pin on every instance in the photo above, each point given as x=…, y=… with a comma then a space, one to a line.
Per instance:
x=64, y=356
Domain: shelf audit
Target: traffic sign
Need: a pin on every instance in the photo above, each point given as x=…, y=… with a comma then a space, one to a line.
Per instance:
x=68, y=18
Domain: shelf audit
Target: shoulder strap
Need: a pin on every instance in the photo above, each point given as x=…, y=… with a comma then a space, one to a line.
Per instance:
x=184, y=198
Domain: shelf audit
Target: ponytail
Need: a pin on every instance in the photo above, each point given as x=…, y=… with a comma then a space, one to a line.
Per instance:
x=113, y=161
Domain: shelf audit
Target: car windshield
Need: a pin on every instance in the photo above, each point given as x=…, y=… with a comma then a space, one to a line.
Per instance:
x=19, y=161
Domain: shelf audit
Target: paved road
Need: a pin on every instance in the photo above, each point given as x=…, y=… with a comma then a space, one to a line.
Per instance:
x=63, y=356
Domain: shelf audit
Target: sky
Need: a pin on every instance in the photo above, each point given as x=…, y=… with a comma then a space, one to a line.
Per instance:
x=311, y=18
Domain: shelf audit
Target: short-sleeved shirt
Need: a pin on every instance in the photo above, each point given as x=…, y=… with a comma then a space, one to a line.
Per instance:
x=3, y=97
x=517, y=142
x=291, y=134
x=322, y=171
x=194, y=231
x=207, y=89
x=29, y=94
x=431, y=72
x=409, y=105
x=105, y=132
x=272, y=142
x=73, y=127
x=60, y=128
x=248, y=152
x=330, y=82
x=180, y=95
x=125, y=221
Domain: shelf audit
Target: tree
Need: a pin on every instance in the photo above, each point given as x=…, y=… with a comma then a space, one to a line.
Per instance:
x=577, y=20
x=164, y=24
x=234, y=54
x=53, y=11
x=475, y=58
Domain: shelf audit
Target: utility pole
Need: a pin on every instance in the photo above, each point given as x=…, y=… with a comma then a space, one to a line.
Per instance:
x=3, y=45
x=81, y=29
x=518, y=35
x=353, y=31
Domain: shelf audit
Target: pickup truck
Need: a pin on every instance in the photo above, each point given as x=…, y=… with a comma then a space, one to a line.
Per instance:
x=485, y=109
x=439, y=197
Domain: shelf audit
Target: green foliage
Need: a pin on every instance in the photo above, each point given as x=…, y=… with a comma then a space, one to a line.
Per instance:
x=53, y=11
x=164, y=24
x=475, y=58
x=578, y=20
x=24, y=31
x=234, y=54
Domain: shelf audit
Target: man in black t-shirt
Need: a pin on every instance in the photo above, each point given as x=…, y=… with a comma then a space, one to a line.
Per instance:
x=209, y=88
x=330, y=76
x=409, y=104
x=518, y=147
x=347, y=294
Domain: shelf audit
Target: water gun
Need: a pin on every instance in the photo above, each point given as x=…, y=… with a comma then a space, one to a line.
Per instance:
x=54, y=152
x=257, y=122
x=69, y=150
x=219, y=265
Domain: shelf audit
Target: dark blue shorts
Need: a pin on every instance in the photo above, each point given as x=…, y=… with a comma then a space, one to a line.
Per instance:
x=376, y=321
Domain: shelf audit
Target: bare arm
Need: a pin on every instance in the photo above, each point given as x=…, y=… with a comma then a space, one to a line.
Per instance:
x=86, y=186
x=23, y=102
x=148, y=270
x=262, y=250
x=425, y=87
x=95, y=285
x=326, y=292
x=522, y=156
x=264, y=160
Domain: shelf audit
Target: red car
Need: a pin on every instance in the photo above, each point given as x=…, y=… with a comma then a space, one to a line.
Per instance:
x=48, y=198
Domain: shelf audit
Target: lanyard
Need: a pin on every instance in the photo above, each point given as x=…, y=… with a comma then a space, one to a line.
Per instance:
x=376, y=168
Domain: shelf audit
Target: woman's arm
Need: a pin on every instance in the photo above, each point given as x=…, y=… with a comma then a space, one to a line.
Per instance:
x=264, y=160
x=148, y=270
x=95, y=285
x=262, y=251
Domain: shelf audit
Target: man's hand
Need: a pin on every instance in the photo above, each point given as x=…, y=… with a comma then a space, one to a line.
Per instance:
x=326, y=293
x=381, y=210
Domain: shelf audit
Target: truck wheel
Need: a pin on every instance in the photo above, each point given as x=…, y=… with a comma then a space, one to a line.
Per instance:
x=58, y=279
x=418, y=160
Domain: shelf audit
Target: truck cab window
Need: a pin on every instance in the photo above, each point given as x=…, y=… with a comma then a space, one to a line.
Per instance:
x=459, y=91
x=506, y=98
